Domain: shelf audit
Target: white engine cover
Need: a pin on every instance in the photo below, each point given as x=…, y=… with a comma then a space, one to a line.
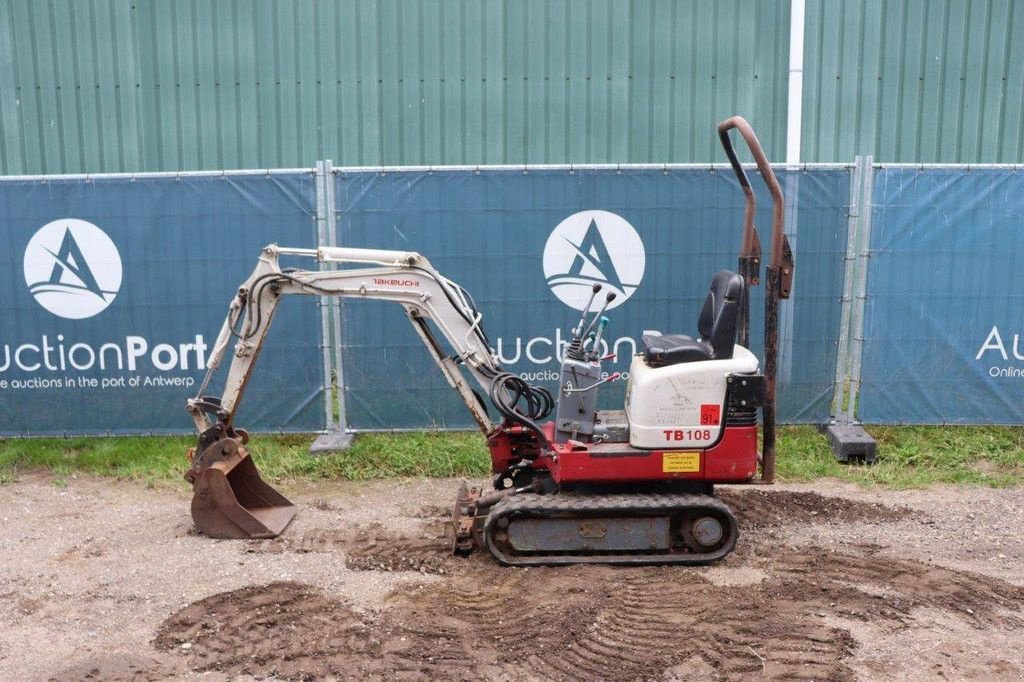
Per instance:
x=681, y=405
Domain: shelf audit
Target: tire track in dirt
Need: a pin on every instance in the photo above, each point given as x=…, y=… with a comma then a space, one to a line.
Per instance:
x=761, y=508
x=316, y=540
x=117, y=669
x=241, y=631
x=376, y=549
x=290, y=631
x=595, y=622
x=898, y=586
x=627, y=629
x=636, y=623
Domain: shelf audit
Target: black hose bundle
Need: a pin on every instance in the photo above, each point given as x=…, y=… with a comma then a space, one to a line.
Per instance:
x=521, y=402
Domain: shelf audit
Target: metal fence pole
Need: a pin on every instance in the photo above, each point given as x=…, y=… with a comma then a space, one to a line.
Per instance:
x=847, y=438
x=332, y=240
x=336, y=438
x=325, y=343
x=842, y=380
x=791, y=181
x=860, y=293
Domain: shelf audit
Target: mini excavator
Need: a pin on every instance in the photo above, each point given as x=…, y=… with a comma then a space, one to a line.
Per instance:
x=631, y=486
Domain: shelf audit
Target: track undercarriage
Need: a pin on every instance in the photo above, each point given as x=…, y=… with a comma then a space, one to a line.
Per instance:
x=524, y=528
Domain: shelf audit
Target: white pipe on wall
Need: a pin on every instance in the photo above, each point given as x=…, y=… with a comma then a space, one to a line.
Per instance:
x=794, y=117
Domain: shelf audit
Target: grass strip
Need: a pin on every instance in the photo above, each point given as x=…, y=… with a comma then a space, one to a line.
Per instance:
x=909, y=457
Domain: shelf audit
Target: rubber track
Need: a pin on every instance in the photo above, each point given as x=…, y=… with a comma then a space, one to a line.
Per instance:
x=566, y=505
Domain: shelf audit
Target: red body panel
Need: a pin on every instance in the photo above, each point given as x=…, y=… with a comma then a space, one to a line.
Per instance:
x=732, y=460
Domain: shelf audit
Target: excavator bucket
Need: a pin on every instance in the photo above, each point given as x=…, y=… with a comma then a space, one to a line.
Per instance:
x=230, y=500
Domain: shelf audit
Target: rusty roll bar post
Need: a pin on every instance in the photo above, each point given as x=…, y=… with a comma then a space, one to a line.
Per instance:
x=750, y=247
x=779, y=272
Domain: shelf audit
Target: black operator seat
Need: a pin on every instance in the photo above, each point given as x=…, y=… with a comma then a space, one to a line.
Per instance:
x=716, y=325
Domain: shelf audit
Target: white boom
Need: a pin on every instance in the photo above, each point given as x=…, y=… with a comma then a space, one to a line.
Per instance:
x=403, y=277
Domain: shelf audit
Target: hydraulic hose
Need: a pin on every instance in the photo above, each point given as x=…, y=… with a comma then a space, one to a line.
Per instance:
x=522, y=403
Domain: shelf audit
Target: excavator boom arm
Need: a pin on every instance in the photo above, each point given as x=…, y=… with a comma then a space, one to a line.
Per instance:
x=405, y=278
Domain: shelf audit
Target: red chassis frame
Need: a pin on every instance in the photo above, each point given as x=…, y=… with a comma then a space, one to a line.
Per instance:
x=733, y=459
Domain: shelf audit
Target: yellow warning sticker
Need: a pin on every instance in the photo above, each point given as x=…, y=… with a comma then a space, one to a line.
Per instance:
x=680, y=462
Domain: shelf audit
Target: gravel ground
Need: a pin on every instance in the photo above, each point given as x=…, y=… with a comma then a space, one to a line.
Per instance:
x=107, y=580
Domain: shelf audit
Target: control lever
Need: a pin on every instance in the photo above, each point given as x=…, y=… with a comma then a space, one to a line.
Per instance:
x=578, y=331
x=608, y=299
x=600, y=330
x=609, y=378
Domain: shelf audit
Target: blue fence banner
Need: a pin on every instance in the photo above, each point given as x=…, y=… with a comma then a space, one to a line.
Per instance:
x=945, y=306
x=529, y=244
x=115, y=289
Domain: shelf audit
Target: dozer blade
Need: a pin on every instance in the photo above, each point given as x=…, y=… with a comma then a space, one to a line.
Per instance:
x=230, y=500
x=466, y=523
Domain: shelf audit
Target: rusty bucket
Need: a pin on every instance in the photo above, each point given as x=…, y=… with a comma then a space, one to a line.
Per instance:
x=230, y=500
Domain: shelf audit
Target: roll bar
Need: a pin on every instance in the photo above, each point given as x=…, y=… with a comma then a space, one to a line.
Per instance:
x=779, y=273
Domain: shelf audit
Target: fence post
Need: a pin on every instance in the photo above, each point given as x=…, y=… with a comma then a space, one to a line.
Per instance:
x=337, y=437
x=861, y=286
x=846, y=437
x=339, y=305
x=325, y=348
x=842, y=381
x=791, y=182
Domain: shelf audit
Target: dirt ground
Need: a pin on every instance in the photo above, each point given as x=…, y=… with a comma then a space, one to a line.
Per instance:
x=101, y=580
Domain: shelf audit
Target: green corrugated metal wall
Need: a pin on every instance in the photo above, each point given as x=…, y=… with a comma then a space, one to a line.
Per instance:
x=116, y=85
x=914, y=80
x=111, y=86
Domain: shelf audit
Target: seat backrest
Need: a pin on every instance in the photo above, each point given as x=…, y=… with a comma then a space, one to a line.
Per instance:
x=718, y=317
